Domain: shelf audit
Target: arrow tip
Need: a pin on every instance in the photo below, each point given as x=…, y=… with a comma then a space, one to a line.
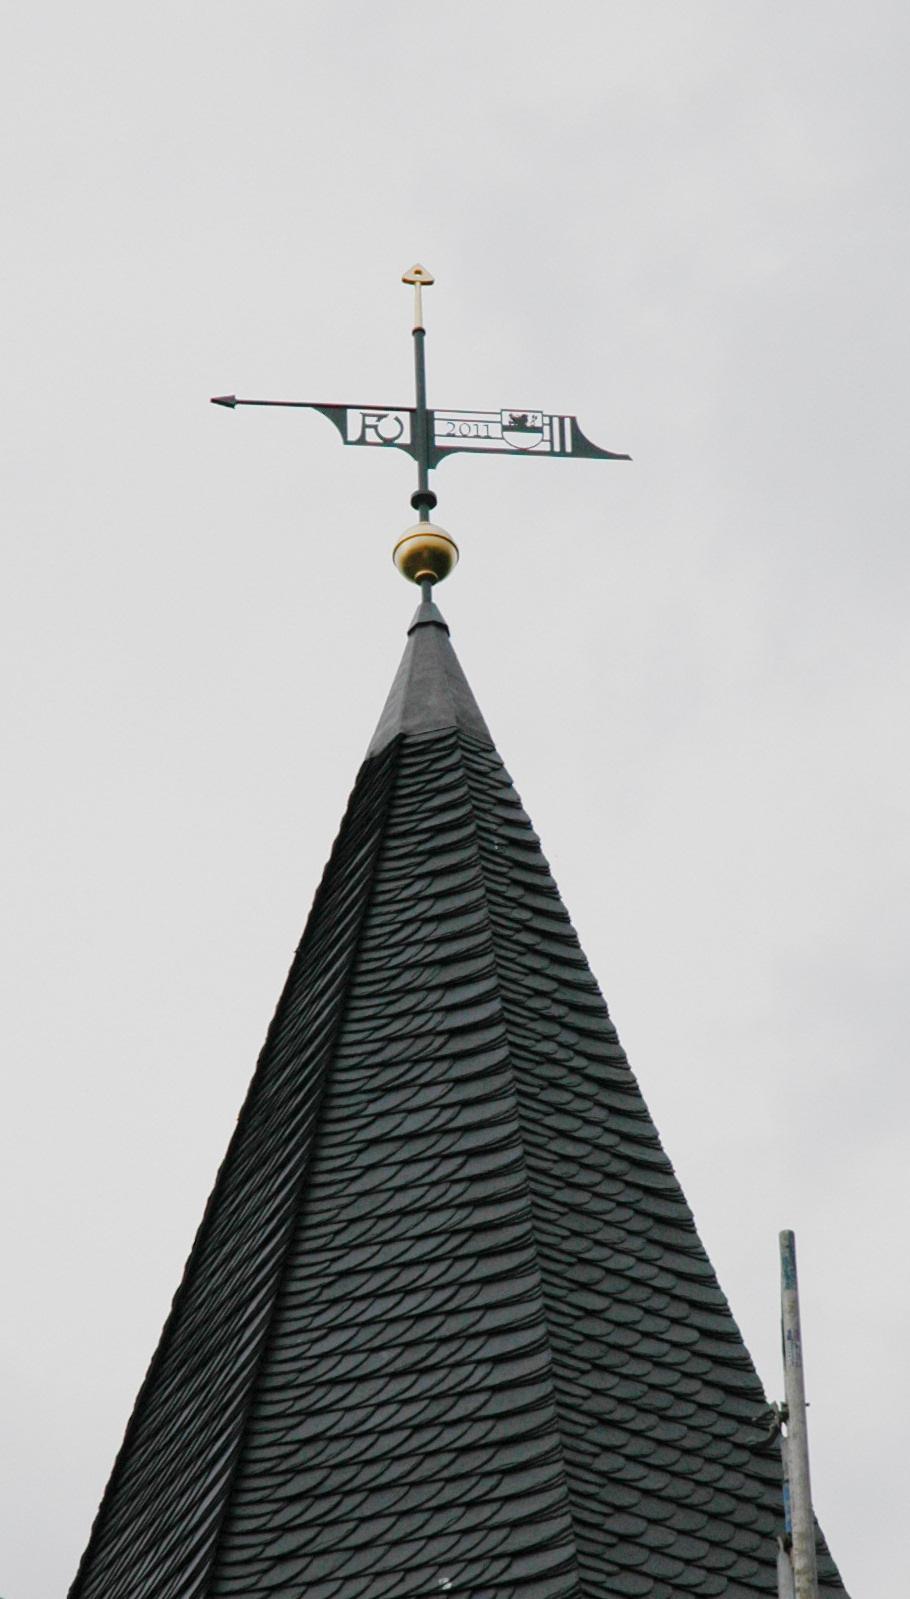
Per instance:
x=224, y=399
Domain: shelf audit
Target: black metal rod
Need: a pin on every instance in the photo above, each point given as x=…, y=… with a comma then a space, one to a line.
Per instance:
x=232, y=400
x=422, y=424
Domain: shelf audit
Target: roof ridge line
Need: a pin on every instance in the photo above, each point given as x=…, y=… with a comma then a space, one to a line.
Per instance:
x=500, y=1001
x=294, y=1209
x=179, y=1306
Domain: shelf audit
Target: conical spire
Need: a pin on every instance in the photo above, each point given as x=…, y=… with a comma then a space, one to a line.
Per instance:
x=447, y=1326
x=430, y=692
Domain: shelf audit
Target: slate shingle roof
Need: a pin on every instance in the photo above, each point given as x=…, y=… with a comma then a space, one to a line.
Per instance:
x=447, y=1326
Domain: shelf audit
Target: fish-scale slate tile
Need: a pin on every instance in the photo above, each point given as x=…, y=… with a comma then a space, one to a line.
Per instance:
x=447, y=1326
x=504, y=1390
x=157, y=1525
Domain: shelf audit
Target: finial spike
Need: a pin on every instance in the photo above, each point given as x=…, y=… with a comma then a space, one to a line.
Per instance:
x=420, y=278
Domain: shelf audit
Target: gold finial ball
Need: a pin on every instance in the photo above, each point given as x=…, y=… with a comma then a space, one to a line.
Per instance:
x=425, y=552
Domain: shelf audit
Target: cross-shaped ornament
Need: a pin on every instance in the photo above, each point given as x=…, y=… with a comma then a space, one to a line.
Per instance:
x=430, y=435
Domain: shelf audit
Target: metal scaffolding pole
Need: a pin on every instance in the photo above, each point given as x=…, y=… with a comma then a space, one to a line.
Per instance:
x=802, y=1553
x=785, y=1588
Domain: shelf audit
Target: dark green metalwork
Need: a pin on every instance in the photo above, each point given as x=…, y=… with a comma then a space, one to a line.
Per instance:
x=424, y=498
x=429, y=436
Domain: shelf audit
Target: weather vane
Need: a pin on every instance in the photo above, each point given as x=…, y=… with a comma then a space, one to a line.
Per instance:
x=426, y=553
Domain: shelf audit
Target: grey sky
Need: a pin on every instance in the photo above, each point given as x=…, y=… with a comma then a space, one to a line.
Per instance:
x=686, y=224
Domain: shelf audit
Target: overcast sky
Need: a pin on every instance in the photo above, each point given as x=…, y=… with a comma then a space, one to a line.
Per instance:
x=688, y=225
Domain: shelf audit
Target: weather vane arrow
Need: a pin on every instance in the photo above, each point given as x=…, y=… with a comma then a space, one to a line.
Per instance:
x=430, y=435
